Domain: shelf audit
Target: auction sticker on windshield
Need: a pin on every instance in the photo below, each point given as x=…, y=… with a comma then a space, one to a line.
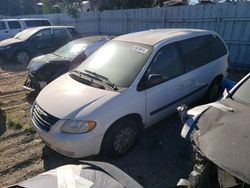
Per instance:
x=140, y=49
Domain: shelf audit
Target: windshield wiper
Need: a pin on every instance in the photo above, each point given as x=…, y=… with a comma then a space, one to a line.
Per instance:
x=103, y=79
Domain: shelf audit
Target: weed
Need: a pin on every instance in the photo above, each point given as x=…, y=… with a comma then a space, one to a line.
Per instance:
x=15, y=124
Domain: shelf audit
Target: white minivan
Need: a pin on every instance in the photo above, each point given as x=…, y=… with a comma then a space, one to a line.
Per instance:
x=129, y=84
x=10, y=27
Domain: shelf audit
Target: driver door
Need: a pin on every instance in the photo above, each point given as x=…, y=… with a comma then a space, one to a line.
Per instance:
x=165, y=93
x=41, y=42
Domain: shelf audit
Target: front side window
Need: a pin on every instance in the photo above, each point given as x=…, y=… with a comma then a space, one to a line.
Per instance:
x=2, y=26
x=14, y=25
x=166, y=63
x=120, y=62
x=43, y=34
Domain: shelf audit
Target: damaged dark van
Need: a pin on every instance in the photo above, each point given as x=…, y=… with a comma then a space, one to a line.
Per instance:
x=44, y=69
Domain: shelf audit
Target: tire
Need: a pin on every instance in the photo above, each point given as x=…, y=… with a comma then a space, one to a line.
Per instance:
x=213, y=91
x=22, y=57
x=120, y=138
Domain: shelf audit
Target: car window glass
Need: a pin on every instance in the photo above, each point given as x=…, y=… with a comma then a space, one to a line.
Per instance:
x=167, y=63
x=43, y=34
x=195, y=52
x=118, y=61
x=35, y=23
x=2, y=26
x=60, y=33
x=217, y=48
x=14, y=25
x=72, y=31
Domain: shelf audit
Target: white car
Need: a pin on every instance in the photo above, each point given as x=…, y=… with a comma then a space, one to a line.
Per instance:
x=130, y=83
x=10, y=27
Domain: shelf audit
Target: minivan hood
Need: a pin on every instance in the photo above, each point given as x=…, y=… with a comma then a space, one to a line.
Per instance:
x=223, y=137
x=65, y=97
x=9, y=42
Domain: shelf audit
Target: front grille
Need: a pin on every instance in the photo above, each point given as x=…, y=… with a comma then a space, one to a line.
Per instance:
x=43, y=119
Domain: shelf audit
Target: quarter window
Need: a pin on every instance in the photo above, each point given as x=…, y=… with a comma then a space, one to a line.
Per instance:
x=14, y=25
x=218, y=49
x=167, y=63
x=2, y=26
x=201, y=50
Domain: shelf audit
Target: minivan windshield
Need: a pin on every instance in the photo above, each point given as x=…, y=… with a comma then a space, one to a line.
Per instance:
x=71, y=50
x=119, y=62
x=25, y=34
x=242, y=94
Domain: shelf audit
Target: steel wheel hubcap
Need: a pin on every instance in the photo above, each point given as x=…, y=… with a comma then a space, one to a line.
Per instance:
x=124, y=140
x=22, y=57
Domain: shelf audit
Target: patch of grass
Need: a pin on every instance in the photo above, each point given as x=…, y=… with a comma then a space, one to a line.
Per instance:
x=14, y=124
x=29, y=128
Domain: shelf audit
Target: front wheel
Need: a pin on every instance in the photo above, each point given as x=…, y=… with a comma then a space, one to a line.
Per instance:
x=22, y=57
x=120, y=138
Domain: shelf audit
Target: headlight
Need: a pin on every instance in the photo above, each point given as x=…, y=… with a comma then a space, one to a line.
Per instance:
x=77, y=127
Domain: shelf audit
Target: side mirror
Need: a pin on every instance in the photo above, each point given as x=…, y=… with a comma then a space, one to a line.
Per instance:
x=154, y=79
x=148, y=81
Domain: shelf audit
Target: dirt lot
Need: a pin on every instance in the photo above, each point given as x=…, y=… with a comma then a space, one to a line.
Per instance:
x=159, y=158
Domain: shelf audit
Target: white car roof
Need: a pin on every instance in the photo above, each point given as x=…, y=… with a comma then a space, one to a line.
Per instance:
x=154, y=36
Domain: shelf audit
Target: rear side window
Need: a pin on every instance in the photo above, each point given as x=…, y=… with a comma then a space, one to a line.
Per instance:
x=60, y=33
x=14, y=25
x=2, y=26
x=35, y=23
x=201, y=50
x=167, y=62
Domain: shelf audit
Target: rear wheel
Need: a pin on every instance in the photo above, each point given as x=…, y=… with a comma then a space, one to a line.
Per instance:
x=213, y=91
x=22, y=57
x=120, y=138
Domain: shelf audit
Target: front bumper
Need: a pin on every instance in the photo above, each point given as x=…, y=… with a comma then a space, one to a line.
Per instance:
x=71, y=145
x=6, y=53
x=32, y=83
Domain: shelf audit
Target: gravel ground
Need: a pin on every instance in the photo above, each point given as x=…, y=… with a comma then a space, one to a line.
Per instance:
x=159, y=158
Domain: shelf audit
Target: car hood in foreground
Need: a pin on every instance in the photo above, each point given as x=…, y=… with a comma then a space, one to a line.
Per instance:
x=224, y=137
x=10, y=41
x=65, y=96
x=89, y=174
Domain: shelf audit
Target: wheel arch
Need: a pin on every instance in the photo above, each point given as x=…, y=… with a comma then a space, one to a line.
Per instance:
x=135, y=116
